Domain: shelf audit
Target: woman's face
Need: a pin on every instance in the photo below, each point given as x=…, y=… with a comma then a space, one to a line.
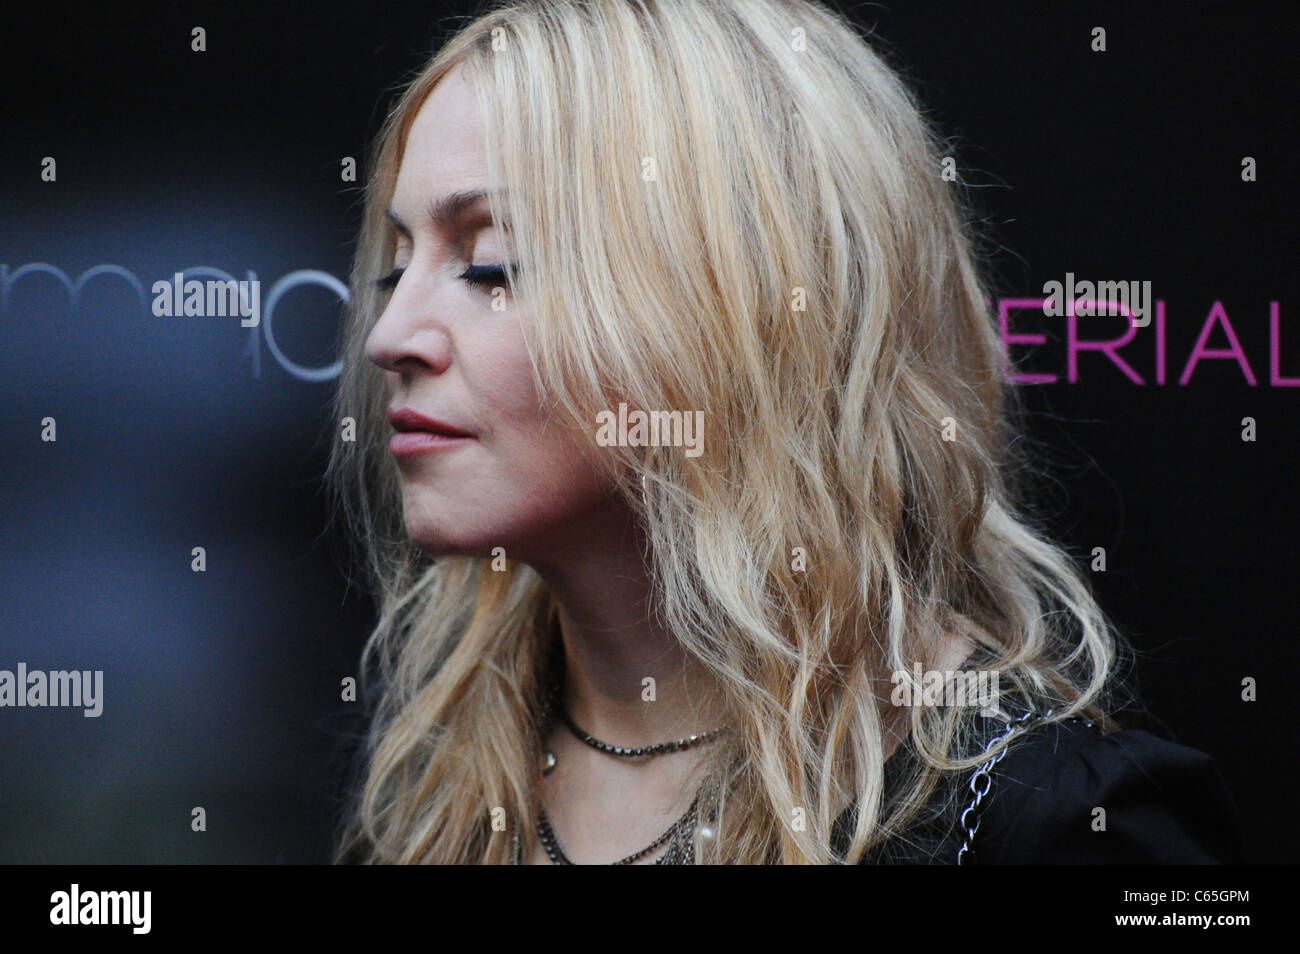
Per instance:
x=501, y=472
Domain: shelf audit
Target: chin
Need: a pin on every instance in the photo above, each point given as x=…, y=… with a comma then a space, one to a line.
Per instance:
x=466, y=537
x=439, y=542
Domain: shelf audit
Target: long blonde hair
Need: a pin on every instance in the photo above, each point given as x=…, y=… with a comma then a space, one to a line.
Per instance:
x=733, y=206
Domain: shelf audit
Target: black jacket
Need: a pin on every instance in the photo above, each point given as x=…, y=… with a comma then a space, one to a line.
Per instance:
x=1163, y=803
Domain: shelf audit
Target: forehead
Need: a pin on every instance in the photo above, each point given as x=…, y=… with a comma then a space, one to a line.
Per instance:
x=444, y=148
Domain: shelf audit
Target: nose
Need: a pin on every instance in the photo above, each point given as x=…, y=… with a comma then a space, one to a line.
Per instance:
x=408, y=338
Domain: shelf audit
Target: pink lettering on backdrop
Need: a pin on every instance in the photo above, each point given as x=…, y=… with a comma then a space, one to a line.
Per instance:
x=1234, y=351
x=1008, y=338
x=1275, y=350
x=1111, y=347
x=1108, y=346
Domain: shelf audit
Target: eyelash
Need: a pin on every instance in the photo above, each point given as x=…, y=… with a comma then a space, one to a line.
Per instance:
x=481, y=276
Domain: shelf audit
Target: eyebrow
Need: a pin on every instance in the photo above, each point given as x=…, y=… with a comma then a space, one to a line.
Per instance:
x=444, y=213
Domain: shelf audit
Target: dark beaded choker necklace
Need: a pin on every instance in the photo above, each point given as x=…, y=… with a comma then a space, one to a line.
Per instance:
x=677, y=745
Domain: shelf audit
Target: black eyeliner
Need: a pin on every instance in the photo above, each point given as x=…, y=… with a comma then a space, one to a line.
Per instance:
x=487, y=276
x=484, y=276
x=391, y=279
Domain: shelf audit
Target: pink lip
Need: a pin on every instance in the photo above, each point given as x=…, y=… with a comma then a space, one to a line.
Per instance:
x=417, y=434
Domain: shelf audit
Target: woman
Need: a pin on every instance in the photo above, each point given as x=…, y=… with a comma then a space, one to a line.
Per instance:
x=681, y=468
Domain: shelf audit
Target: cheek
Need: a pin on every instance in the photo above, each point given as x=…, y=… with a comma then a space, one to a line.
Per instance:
x=537, y=476
x=554, y=466
x=551, y=471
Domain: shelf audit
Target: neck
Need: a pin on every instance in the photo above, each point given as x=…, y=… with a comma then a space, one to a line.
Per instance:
x=627, y=679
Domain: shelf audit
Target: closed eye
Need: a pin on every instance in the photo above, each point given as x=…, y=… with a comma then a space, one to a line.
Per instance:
x=481, y=276
x=389, y=281
x=486, y=276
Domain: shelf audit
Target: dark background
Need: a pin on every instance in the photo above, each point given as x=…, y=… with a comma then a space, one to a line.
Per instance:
x=222, y=689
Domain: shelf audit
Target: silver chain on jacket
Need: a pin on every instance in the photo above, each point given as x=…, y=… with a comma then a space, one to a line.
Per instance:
x=982, y=780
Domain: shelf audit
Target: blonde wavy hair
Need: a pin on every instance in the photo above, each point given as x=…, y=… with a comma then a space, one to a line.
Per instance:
x=797, y=268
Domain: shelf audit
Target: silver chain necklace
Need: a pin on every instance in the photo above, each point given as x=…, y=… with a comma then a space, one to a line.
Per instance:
x=673, y=835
